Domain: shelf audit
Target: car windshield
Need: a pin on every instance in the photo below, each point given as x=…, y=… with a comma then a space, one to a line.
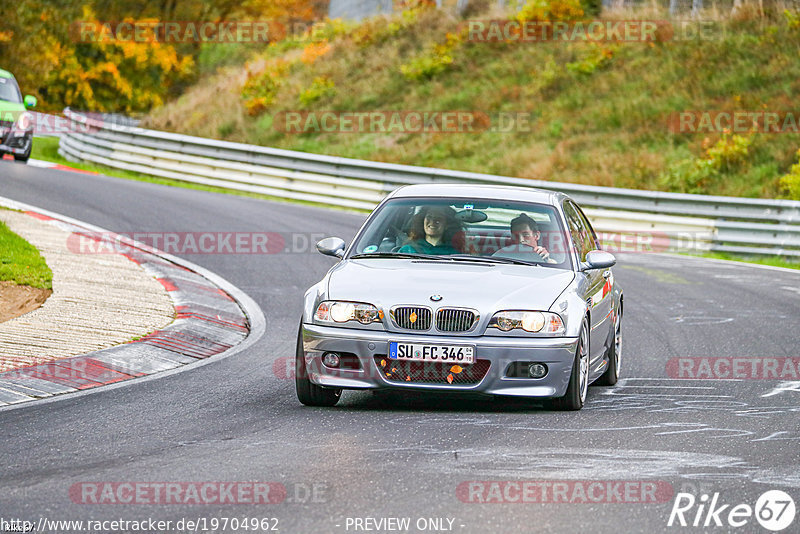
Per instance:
x=9, y=91
x=464, y=229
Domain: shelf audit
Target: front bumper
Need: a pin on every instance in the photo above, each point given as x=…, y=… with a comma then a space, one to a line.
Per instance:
x=371, y=346
x=13, y=144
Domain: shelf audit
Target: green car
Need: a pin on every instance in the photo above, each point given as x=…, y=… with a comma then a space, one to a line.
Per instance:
x=16, y=124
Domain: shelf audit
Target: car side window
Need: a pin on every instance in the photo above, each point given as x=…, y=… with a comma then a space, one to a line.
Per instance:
x=595, y=243
x=573, y=227
x=582, y=236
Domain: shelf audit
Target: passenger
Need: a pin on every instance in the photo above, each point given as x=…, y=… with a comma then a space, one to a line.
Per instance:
x=525, y=237
x=434, y=230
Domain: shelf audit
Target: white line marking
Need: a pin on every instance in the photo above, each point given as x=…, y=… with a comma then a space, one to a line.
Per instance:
x=667, y=395
x=684, y=379
x=41, y=164
x=667, y=387
x=783, y=386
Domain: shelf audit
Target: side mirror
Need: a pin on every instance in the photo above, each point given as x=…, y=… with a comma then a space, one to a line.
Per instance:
x=30, y=101
x=598, y=259
x=332, y=246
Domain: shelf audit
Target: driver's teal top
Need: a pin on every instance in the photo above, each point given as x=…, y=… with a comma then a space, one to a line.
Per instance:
x=421, y=246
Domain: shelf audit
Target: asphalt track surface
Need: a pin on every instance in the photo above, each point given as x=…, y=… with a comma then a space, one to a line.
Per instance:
x=399, y=455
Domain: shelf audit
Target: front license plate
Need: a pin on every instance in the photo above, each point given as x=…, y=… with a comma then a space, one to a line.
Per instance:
x=431, y=353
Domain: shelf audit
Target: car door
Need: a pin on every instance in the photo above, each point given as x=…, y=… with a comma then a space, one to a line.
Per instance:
x=598, y=294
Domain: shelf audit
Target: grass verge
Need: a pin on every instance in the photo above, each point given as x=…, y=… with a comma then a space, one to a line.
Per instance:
x=21, y=263
x=769, y=260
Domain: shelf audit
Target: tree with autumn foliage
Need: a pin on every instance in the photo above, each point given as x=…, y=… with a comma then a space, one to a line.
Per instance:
x=120, y=76
x=39, y=45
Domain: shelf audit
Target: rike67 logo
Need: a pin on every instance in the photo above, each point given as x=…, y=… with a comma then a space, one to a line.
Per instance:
x=774, y=510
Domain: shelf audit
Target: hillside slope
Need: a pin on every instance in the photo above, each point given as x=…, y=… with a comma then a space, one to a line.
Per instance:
x=599, y=112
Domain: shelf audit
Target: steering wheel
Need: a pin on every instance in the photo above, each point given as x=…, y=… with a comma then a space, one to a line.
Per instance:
x=521, y=251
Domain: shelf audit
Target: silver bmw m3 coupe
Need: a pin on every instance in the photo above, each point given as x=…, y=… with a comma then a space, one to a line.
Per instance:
x=486, y=289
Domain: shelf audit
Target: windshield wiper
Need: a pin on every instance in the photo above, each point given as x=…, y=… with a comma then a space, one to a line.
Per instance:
x=491, y=259
x=447, y=257
x=392, y=255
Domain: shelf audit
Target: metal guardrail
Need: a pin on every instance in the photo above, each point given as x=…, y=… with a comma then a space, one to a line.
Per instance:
x=45, y=125
x=726, y=224
x=49, y=125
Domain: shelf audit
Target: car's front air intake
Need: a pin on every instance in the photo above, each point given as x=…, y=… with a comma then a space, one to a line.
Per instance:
x=454, y=320
x=412, y=317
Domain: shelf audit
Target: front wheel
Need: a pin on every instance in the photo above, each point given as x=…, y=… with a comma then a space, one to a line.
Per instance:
x=24, y=157
x=308, y=393
x=575, y=396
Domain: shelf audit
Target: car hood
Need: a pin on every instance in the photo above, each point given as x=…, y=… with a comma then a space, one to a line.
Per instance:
x=10, y=111
x=485, y=287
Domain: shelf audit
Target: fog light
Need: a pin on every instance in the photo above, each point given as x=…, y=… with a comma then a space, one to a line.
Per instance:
x=537, y=370
x=330, y=359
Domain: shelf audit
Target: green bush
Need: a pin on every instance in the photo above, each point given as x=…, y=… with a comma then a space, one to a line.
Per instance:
x=790, y=183
x=729, y=154
x=597, y=57
x=320, y=88
x=548, y=10
x=702, y=175
x=592, y=7
x=259, y=90
x=433, y=61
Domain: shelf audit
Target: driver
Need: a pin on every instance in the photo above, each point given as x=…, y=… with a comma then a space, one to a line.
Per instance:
x=433, y=231
x=525, y=237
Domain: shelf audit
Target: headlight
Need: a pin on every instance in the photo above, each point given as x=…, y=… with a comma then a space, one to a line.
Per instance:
x=24, y=121
x=531, y=321
x=337, y=311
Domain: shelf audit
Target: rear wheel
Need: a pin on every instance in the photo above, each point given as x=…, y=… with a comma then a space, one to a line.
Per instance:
x=610, y=377
x=308, y=393
x=575, y=396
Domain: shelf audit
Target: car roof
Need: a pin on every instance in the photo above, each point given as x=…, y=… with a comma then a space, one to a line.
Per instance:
x=484, y=191
x=5, y=74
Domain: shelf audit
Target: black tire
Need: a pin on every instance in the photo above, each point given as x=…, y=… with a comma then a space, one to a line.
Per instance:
x=308, y=393
x=611, y=375
x=577, y=389
x=24, y=157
